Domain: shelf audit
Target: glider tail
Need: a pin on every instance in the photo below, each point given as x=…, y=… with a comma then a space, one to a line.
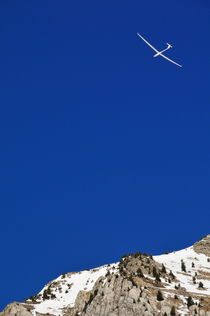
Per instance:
x=164, y=50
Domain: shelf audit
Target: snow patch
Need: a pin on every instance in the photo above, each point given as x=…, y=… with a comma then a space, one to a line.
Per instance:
x=66, y=288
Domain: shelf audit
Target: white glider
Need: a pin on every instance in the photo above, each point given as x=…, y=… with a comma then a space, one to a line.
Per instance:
x=160, y=53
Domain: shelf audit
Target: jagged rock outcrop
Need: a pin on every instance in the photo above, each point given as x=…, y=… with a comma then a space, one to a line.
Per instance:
x=118, y=296
x=203, y=246
x=17, y=309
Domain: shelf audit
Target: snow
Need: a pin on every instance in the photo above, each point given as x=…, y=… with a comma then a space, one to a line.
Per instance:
x=172, y=261
x=67, y=287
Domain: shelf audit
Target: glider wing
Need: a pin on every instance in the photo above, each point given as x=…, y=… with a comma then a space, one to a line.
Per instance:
x=173, y=62
x=157, y=51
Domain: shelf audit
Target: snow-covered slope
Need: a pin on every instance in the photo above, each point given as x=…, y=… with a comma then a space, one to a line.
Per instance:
x=197, y=266
x=62, y=292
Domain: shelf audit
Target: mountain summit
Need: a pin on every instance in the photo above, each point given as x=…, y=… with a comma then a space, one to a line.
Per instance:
x=176, y=283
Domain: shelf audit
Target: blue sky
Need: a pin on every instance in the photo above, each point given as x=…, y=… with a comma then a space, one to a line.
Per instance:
x=104, y=150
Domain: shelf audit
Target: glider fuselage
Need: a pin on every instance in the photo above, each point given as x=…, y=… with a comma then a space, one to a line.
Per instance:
x=162, y=51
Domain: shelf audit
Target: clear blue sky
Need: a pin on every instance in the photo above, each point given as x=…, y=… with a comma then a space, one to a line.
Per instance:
x=104, y=150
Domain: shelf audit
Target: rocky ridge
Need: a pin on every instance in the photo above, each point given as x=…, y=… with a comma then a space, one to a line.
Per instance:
x=203, y=246
x=172, y=284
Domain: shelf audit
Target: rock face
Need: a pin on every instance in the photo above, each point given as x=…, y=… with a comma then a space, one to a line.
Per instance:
x=17, y=309
x=203, y=246
x=122, y=293
x=173, y=284
x=119, y=296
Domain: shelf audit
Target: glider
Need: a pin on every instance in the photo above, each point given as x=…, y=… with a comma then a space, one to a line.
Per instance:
x=160, y=53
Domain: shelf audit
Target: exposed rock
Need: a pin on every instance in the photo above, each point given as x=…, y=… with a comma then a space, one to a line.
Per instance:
x=203, y=246
x=17, y=309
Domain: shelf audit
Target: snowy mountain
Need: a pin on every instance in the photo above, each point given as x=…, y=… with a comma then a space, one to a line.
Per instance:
x=170, y=284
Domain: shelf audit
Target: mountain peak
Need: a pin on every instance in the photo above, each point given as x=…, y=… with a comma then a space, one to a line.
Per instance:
x=176, y=283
